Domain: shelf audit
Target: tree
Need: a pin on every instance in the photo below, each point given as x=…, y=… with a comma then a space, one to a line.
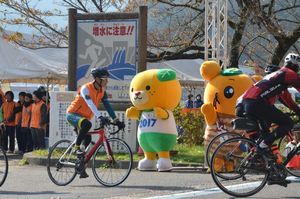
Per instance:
x=259, y=30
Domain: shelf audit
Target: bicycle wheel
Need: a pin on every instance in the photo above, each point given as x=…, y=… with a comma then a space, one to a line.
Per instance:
x=112, y=170
x=61, y=163
x=242, y=172
x=292, y=167
x=3, y=166
x=215, y=142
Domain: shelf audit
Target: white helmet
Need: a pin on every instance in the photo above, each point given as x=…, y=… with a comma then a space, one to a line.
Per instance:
x=292, y=58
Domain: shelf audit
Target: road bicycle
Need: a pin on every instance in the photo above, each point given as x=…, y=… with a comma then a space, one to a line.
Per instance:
x=111, y=164
x=251, y=170
x=224, y=135
x=3, y=159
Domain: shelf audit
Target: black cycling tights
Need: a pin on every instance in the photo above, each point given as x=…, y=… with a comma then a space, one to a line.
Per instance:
x=84, y=128
x=269, y=113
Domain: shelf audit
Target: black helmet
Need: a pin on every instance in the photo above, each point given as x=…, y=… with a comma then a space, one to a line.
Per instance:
x=271, y=68
x=99, y=72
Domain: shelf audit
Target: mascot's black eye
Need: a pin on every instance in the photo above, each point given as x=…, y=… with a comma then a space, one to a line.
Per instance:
x=228, y=92
x=131, y=89
x=147, y=87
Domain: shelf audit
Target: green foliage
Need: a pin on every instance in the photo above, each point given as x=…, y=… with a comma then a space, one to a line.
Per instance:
x=23, y=162
x=188, y=154
x=193, y=125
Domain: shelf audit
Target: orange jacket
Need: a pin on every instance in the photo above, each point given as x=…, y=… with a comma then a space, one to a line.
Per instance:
x=36, y=115
x=26, y=114
x=8, y=113
x=18, y=114
x=80, y=107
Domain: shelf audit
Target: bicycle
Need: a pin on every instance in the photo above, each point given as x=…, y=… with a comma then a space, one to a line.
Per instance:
x=251, y=170
x=224, y=135
x=3, y=159
x=112, y=158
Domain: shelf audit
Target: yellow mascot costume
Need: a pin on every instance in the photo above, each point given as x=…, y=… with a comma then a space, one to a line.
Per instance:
x=155, y=93
x=220, y=95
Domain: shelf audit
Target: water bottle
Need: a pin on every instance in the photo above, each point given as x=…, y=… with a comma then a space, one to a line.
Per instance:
x=288, y=148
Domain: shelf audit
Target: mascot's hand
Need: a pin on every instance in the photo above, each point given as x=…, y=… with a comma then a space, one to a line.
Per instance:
x=133, y=113
x=160, y=113
x=209, y=113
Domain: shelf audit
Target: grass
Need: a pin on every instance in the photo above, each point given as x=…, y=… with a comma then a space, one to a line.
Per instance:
x=182, y=153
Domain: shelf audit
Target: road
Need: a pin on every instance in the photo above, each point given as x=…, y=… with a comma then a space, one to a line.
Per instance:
x=32, y=182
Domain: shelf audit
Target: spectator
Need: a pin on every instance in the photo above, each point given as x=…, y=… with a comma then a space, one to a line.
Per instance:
x=27, y=144
x=46, y=100
x=18, y=115
x=9, y=120
x=38, y=120
x=189, y=102
x=198, y=102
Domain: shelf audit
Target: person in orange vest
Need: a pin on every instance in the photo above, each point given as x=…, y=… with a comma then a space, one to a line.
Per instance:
x=9, y=120
x=38, y=121
x=85, y=106
x=18, y=115
x=27, y=144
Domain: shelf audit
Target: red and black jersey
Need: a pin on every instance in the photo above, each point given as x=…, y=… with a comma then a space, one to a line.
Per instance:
x=274, y=86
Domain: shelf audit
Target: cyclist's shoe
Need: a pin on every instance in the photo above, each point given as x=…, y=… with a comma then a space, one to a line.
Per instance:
x=83, y=174
x=283, y=183
x=78, y=152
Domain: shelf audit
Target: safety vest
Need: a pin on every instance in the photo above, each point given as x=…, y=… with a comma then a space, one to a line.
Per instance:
x=26, y=113
x=36, y=114
x=18, y=115
x=8, y=111
x=80, y=107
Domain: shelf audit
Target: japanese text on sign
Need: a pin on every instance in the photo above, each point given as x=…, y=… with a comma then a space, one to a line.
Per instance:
x=115, y=29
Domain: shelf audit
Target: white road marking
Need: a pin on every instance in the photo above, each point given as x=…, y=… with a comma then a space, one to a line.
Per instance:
x=210, y=191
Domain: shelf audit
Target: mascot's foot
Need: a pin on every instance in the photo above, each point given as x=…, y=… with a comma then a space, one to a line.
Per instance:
x=164, y=164
x=147, y=165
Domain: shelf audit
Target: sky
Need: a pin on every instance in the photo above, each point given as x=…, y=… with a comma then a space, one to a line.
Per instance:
x=43, y=5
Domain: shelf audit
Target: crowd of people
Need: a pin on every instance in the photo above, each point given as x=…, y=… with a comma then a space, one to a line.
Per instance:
x=26, y=120
x=190, y=103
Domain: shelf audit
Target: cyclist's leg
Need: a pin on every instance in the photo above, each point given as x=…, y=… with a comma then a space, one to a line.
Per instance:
x=82, y=124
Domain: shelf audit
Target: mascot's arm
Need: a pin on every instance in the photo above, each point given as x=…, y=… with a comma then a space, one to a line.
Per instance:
x=161, y=113
x=133, y=113
x=209, y=113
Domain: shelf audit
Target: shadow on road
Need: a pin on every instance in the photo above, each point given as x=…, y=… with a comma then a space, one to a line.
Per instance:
x=23, y=193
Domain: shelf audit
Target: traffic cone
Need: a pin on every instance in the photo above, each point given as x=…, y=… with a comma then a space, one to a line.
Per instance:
x=294, y=163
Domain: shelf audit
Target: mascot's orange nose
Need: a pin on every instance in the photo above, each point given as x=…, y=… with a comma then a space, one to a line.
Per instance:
x=137, y=93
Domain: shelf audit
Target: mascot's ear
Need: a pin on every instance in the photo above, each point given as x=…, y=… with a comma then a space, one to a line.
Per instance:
x=209, y=70
x=164, y=75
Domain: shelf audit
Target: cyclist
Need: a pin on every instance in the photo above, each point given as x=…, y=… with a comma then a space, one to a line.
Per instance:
x=84, y=107
x=258, y=100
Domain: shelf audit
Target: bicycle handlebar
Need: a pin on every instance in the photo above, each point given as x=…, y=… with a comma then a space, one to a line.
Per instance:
x=105, y=121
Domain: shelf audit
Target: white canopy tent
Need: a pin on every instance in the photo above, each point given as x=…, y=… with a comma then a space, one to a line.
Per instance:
x=18, y=64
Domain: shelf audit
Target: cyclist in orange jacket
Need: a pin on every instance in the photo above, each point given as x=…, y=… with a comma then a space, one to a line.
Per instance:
x=85, y=106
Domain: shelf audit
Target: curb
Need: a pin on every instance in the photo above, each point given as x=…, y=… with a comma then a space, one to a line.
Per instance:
x=42, y=161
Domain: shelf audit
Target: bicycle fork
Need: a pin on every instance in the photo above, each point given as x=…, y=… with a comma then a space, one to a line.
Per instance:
x=108, y=151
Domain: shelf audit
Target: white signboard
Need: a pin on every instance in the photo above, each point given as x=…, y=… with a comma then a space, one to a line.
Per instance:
x=111, y=45
x=61, y=129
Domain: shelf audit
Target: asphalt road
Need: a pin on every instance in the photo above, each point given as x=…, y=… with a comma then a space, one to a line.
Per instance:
x=33, y=182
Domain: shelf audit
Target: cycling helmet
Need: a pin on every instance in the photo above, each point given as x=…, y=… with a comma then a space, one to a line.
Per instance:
x=292, y=61
x=271, y=68
x=99, y=72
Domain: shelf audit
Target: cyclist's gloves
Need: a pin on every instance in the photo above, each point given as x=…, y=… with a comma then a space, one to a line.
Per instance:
x=120, y=124
x=103, y=120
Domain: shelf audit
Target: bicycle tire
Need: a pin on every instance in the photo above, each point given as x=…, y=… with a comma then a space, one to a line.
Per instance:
x=3, y=166
x=104, y=169
x=209, y=149
x=59, y=148
x=246, y=168
x=281, y=145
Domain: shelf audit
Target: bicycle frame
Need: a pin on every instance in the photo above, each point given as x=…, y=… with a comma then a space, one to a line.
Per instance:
x=291, y=154
x=101, y=139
